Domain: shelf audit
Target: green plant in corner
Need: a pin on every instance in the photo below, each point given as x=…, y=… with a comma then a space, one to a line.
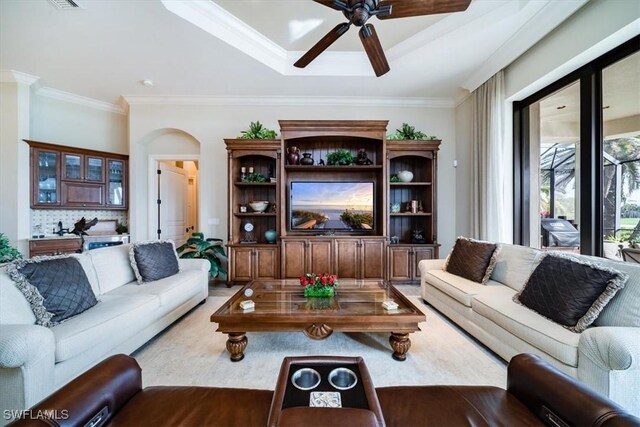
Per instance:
x=257, y=131
x=409, y=132
x=197, y=247
x=121, y=227
x=340, y=157
x=7, y=252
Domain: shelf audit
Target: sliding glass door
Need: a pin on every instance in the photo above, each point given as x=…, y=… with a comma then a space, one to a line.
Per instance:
x=577, y=158
x=621, y=155
x=554, y=144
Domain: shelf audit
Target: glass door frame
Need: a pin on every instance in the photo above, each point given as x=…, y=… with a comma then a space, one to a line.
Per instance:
x=591, y=139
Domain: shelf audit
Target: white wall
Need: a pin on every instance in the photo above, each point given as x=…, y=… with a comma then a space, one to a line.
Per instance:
x=463, y=171
x=211, y=124
x=65, y=123
x=14, y=163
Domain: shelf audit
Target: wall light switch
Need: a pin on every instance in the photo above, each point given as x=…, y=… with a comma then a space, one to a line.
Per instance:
x=455, y=163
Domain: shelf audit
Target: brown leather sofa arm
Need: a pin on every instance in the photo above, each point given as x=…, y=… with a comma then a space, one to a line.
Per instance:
x=560, y=400
x=90, y=399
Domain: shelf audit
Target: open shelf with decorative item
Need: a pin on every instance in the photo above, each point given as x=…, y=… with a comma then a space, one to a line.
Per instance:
x=333, y=151
x=253, y=192
x=412, y=168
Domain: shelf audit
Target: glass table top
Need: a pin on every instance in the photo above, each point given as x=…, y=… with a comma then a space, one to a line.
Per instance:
x=286, y=298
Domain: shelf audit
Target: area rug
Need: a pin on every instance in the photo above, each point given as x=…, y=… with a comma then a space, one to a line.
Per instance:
x=191, y=353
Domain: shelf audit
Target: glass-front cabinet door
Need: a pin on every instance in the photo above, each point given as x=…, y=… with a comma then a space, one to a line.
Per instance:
x=71, y=167
x=47, y=169
x=116, y=191
x=94, y=169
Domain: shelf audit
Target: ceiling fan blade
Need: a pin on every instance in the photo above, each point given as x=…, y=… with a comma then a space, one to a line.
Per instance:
x=406, y=8
x=374, y=50
x=328, y=3
x=323, y=44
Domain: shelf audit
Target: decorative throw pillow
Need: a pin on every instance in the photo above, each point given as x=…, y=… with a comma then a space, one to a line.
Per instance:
x=57, y=288
x=472, y=259
x=154, y=260
x=570, y=291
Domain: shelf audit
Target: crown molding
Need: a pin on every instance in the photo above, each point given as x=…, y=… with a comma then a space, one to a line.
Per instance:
x=81, y=100
x=274, y=101
x=461, y=99
x=215, y=20
x=548, y=16
x=12, y=76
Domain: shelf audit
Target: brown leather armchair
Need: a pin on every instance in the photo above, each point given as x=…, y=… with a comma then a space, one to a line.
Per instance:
x=111, y=394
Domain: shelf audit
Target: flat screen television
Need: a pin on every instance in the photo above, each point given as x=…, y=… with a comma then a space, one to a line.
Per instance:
x=332, y=206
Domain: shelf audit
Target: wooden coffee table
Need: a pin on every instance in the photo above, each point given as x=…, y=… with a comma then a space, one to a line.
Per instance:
x=280, y=306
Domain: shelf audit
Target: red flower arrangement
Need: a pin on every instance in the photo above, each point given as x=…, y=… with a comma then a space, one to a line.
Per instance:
x=319, y=285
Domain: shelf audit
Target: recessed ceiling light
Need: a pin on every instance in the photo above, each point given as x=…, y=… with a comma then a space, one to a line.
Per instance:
x=606, y=106
x=147, y=82
x=562, y=107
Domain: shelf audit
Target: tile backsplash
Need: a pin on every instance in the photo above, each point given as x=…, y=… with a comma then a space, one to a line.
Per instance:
x=48, y=218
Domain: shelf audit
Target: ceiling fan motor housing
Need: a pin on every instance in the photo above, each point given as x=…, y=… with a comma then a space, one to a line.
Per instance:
x=359, y=11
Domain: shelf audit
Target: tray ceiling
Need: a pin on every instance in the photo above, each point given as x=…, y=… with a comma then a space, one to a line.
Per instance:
x=104, y=49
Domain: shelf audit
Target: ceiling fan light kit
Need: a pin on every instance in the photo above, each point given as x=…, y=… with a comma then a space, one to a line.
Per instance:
x=358, y=13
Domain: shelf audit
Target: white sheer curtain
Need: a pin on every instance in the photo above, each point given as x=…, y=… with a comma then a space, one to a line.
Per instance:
x=488, y=209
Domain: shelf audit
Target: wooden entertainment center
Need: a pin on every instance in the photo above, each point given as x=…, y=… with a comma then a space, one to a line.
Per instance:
x=386, y=249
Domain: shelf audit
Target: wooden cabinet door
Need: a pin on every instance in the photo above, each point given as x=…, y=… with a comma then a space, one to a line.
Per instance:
x=82, y=194
x=94, y=167
x=293, y=258
x=45, y=176
x=54, y=246
x=347, y=257
x=372, y=257
x=72, y=167
x=116, y=182
x=419, y=255
x=400, y=263
x=266, y=263
x=242, y=264
x=319, y=256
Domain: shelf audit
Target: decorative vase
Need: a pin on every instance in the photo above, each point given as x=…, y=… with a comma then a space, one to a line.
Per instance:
x=293, y=155
x=313, y=291
x=306, y=159
x=270, y=236
x=405, y=176
x=395, y=207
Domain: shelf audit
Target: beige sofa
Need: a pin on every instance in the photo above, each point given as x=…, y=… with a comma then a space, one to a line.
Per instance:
x=35, y=361
x=606, y=356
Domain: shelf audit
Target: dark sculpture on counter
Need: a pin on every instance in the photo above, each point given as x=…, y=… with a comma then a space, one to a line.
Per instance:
x=80, y=227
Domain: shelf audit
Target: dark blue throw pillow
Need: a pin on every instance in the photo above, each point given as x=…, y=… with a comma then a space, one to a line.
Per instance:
x=569, y=290
x=154, y=260
x=57, y=288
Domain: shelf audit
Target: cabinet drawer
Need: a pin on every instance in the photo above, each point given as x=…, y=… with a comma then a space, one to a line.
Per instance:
x=54, y=246
x=82, y=194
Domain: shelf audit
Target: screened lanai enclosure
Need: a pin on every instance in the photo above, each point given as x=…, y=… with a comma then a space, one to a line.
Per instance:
x=621, y=186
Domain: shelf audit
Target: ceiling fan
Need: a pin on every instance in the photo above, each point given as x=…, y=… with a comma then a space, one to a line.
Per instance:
x=358, y=13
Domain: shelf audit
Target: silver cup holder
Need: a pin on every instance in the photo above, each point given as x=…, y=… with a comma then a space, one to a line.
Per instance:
x=343, y=378
x=305, y=379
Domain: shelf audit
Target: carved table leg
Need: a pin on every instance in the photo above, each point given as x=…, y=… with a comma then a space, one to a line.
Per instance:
x=236, y=344
x=400, y=343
